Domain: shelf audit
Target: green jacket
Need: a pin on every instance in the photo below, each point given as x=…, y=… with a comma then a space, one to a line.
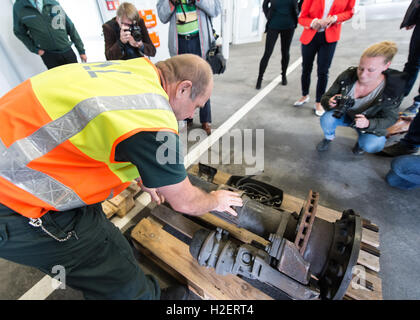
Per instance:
x=383, y=111
x=47, y=31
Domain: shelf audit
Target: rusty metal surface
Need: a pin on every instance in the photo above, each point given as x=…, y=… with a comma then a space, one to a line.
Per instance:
x=307, y=221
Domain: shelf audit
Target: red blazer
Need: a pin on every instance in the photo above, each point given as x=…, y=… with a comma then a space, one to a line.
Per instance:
x=311, y=9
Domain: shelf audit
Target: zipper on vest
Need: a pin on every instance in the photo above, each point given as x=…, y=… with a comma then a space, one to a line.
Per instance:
x=37, y=223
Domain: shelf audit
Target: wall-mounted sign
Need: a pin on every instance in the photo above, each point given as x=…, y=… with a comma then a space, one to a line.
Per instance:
x=112, y=5
x=149, y=18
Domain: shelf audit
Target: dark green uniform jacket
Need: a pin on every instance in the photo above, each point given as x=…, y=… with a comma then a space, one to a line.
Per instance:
x=383, y=111
x=48, y=31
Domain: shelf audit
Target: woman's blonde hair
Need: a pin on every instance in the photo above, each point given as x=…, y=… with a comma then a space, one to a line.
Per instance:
x=386, y=49
x=128, y=10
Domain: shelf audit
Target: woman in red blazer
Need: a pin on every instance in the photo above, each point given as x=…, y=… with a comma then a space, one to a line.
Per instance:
x=321, y=20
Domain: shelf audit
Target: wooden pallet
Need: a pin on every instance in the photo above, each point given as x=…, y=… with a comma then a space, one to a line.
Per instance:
x=173, y=255
x=122, y=203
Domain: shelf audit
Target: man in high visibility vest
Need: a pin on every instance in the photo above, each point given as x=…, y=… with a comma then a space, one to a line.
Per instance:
x=76, y=135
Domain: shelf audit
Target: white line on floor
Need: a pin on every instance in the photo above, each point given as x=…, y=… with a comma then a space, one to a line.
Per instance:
x=44, y=287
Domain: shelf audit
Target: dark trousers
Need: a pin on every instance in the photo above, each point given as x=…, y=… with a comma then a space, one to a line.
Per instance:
x=286, y=37
x=325, y=52
x=412, y=137
x=193, y=46
x=412, y=65
x=53, y=59
x=97, y=259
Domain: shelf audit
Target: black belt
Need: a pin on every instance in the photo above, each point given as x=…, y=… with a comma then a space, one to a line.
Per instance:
x=188, y=36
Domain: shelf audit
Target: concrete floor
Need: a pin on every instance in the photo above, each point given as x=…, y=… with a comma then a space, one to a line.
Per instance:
x=291, y=161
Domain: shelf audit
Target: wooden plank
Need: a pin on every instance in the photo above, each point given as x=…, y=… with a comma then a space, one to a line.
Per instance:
x=368, y=260
x=175, y=253
x=357, y=290
x=123, y=201
x=370, y=237
x=109, y=209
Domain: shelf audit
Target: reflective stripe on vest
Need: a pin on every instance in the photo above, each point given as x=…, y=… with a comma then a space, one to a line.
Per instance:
x=67, y=162
x=14, y=160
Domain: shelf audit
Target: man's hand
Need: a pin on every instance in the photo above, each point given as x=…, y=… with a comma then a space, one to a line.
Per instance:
x=332, y=102
x=226, y=199
x=154, y=193
x=410, y=27
x=41, y=52
x=134, y=43
x=83, y=57
x=125, y=34
x=361, y=121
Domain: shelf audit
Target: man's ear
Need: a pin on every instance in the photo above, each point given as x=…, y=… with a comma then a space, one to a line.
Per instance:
x=184, y=88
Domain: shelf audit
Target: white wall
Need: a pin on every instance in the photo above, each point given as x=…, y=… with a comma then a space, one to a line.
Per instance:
x=20, y=64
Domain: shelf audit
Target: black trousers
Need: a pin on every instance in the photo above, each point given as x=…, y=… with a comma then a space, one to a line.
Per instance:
x=193, y=46
x=412, y=137
x=413, y=62
x=96, y=259
x=286, y=37
x=52, y=59
x=325, y=52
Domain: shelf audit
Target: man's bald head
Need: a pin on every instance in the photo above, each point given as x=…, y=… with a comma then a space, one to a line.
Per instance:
x=187, y=67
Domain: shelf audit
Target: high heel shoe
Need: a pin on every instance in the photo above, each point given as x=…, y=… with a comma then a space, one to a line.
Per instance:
x=301, y=102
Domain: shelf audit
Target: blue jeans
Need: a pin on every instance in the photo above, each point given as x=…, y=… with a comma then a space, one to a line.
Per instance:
x=193, y=46
x=368, y=142
x=405, y=172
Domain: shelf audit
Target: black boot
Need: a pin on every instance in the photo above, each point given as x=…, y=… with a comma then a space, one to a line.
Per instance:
x=258, y=86
x=176, y=292
x=283, y=79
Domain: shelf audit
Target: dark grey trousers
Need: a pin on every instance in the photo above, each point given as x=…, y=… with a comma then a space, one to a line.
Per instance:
x=97, y=259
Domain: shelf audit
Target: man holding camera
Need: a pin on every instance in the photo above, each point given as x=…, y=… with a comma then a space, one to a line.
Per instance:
x=190, y=31
x=126, y=35
x=365, y=98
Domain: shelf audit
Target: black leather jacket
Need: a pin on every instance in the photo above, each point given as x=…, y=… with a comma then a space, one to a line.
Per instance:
x=268, y=10
x=383, y=111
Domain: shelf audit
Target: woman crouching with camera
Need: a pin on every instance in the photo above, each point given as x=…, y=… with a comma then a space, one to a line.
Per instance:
x=365, y=98
x=126, y=35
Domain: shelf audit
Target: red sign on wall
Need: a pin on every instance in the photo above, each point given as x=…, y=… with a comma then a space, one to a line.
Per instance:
x=112, y=5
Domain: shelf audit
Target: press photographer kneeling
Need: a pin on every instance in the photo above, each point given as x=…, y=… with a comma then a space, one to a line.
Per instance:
x=126, y=35
x=366, y=98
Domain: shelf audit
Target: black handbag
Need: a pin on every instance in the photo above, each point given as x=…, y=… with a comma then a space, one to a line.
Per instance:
x=216, y=60
x=215, y=57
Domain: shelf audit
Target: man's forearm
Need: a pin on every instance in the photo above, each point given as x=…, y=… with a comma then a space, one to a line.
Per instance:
x=199, y=203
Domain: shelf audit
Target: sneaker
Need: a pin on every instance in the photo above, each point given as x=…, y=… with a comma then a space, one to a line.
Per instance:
x=411, y=111
x=357, y=150
x=177, y=292
x=320, y=112
x=323, y=145
x=397, y=149
x=301, y=102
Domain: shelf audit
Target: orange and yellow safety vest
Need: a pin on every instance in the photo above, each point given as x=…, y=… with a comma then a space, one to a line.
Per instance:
x=59, y=131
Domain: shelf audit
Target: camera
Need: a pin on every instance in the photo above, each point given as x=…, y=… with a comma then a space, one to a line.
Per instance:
x=135, y=32
x=344, y=103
